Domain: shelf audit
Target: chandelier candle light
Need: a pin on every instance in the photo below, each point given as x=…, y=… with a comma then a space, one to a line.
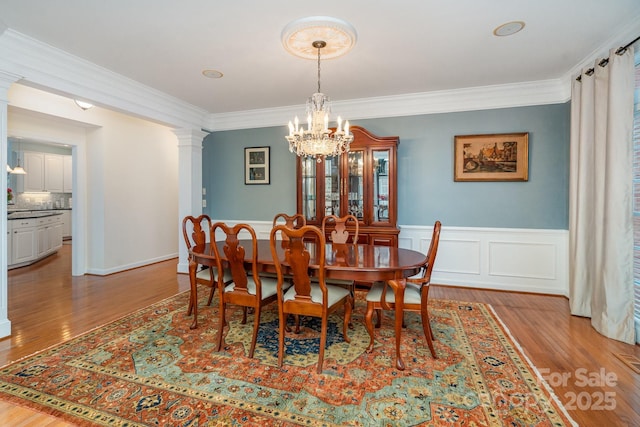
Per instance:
x=318, y=140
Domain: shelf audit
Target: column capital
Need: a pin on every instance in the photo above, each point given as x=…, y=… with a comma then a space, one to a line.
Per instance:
x=190, y=136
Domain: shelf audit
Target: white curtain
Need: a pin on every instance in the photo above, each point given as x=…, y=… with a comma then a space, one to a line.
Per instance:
x=600, y=197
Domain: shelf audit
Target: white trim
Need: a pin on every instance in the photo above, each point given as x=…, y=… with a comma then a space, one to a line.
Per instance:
x=446, y=101
x=44, y=66
x=125, y=267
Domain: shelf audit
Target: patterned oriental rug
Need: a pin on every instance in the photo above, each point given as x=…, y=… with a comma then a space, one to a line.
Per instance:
x=150, y=369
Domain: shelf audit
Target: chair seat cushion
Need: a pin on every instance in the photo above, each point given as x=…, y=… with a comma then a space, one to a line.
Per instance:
x=335, y=294
x=206, y=275
x=411, y=293
x=269, y=286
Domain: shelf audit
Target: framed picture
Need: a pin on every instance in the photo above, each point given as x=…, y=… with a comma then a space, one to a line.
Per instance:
x=256, y=165
x=496, y=157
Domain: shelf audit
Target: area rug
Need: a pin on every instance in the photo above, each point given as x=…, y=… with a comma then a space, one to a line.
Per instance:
x=150, y=369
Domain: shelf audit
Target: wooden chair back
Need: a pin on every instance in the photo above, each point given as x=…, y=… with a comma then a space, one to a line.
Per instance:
x=193, y=231
x=235, y=255
x=291, y=221
x=297, y=258
x=340, y=234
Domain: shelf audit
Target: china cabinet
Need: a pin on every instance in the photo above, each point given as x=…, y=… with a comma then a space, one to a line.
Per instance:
x=362, y=182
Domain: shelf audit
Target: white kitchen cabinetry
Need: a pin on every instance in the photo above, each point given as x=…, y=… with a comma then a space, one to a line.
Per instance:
x=49, y=235
x=67, y=179
x=24, y=240
x=45, y=172
x=66, y=224
x=33, y=239
x=9, y=243
x=34, y=179
x=54, y=173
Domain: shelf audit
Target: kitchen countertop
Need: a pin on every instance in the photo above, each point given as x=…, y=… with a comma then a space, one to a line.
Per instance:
x=32, y=214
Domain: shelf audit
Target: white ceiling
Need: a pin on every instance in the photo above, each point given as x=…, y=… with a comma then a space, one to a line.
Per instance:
x=403, y=47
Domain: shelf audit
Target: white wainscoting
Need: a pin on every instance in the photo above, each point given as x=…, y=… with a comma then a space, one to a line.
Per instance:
x=496, y=258
x=507, y=259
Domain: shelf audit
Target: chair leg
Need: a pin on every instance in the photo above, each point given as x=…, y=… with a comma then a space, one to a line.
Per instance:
x=378, y=318
x=256, y=326
x=347, y=319
x=323, y=343
x=428, y=333
x=244, y=316
x=190, y=308
x=281, y=327
x=221, y=324
x=368, y=322
x=213, y=290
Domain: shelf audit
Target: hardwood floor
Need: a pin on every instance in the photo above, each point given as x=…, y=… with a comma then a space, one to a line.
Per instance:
x=47, y=306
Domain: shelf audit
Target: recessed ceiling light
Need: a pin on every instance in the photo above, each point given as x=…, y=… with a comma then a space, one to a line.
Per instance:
x=212, y=74
x=509, y=28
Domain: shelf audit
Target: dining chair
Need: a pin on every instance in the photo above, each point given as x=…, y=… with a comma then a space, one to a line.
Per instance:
x=194, y=231
x=247, y=289
x=316, y=299
x=340, y=234
x=413, y=296
x=293, y=221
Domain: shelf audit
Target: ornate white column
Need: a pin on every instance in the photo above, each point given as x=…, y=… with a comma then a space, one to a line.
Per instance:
x=190, y=183
x=6, y=80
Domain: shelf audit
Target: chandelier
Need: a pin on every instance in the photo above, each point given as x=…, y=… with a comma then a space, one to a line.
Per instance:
x=317, y=140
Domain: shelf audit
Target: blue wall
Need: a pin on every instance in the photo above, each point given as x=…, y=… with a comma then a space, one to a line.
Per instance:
x=426, y=190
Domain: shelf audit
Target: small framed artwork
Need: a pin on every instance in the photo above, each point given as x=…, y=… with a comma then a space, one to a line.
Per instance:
x=495, y=157
x=256, y=165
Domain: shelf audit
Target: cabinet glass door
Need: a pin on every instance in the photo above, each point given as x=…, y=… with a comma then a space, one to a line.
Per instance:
x=381, y=185
x=355, y=184
x=309, y=188
x=332, y=186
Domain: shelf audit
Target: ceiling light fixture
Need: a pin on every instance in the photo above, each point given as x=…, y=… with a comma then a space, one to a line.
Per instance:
x=337, y=37
x=82, y=104
x=212, y=74
x=9, y=170
x=508, y=29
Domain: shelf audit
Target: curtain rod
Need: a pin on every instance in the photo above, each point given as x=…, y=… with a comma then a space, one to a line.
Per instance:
x=605, y=61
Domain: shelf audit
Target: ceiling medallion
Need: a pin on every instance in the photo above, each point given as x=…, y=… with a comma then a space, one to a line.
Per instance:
x=298, y=37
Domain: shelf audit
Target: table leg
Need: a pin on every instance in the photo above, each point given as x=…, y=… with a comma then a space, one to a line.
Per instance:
x=193, y=298
x=399, y=294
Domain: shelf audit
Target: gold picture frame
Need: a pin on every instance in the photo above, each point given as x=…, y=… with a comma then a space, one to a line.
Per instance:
x=491, y=157
x=256, y=165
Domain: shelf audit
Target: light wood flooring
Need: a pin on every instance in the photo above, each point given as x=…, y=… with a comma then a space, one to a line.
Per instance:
x=47, y=306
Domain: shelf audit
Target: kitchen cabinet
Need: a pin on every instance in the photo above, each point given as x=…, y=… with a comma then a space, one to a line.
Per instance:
x=65, y=218
x=34, y=179
x=362, y=182
x=67, y=178
x=23, y=240
x=48, y=235
x=45, y=172
x=33, y=239
x=54, y=173
x=9, y=243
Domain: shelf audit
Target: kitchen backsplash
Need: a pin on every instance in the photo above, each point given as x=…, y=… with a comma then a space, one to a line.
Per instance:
x=37, y=201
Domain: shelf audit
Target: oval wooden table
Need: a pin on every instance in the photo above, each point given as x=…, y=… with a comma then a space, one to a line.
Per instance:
x=362, y=263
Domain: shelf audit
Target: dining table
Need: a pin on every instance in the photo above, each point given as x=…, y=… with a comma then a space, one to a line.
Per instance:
x=359, y=262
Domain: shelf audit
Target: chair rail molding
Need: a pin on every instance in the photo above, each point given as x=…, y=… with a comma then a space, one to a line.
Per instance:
x=506, y=259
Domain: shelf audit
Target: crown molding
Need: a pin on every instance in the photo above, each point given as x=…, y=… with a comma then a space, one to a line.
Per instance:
x=476, y=98
x=43, y=66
